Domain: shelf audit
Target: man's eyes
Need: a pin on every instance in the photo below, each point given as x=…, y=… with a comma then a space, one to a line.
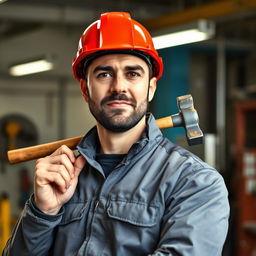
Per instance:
x=104, y=75
x=129, y=75
x=133, y=74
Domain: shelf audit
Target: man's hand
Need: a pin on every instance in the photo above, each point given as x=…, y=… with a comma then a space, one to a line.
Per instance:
x=56, y=178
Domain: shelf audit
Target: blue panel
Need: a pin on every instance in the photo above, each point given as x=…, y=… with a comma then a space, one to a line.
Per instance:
x=174, y=83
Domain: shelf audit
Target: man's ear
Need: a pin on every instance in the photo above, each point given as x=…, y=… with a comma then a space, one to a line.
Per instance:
x=152, y=88
x=84, y=90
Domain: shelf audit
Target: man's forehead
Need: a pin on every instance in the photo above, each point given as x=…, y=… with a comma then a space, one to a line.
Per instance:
x=118, y=59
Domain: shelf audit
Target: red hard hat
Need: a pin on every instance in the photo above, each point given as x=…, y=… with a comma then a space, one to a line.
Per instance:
x=116, y=32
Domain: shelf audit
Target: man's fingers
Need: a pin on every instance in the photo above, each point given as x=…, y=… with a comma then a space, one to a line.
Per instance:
x=65, y=150
x=62, y=171
x=63, y=159
x=43, y=168
x=52, y=177
x=59, y=169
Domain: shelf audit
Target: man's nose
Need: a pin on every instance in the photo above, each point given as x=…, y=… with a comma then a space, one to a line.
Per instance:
x=118, y=85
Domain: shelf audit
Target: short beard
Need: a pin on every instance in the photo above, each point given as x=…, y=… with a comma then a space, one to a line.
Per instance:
x=114, y=121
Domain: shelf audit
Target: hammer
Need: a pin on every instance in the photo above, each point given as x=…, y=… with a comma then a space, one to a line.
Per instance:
x=187, y=117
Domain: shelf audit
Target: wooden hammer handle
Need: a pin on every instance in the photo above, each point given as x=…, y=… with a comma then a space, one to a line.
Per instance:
x=34, y=152
x=165, y=122
x=42, y=150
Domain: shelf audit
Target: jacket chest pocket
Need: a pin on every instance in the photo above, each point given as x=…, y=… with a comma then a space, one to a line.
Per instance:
x=135, y=213
x=74, y=212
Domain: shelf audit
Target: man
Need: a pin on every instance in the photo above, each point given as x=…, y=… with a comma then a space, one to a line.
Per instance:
x=130, y=191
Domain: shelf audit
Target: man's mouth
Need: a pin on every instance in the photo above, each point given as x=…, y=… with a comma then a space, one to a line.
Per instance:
x=119, y=104
x=118, y=101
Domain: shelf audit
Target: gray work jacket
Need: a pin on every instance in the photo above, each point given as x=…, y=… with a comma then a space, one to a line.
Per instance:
x=160, y=200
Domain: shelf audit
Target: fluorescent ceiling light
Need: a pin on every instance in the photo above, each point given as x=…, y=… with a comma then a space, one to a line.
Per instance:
x=204, y=31
x=31, y=67
x=2, y=1
x=179, y=38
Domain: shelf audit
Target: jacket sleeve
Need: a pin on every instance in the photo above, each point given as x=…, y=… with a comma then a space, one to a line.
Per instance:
x=33, y=234
x=195, y=222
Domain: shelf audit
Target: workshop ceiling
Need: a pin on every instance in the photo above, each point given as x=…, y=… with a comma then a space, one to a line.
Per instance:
x=22, y=24
x=235, y=19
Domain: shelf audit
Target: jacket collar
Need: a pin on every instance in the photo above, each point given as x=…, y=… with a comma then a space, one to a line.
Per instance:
x=89, y=145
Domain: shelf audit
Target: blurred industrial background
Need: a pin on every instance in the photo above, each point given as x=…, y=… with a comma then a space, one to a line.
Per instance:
x=219, y=72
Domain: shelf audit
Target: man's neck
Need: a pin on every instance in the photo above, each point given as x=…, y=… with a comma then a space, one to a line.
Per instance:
x=119, y=143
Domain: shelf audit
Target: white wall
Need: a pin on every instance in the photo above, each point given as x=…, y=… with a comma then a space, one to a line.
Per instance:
x=38, y=99
x=48, y=41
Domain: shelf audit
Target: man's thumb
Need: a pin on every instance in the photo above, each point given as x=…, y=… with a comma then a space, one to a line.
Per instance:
x=79, y=164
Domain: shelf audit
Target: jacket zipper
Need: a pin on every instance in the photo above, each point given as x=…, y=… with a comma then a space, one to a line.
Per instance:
x=96, y=205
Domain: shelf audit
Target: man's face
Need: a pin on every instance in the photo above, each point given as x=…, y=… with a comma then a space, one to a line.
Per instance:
x=118, y=89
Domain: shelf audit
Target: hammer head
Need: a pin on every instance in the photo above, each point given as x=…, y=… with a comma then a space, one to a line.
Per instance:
x=190, y=119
